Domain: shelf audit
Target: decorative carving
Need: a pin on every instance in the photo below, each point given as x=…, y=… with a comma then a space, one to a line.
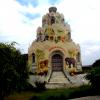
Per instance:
x=72, y=71
x=70, y=61
x=53, y=24
x=72, y=53
x=39, y=56
x=63, y=38
x=56, y=47
x=43, y=67
x=40, y=35
x=49, y=30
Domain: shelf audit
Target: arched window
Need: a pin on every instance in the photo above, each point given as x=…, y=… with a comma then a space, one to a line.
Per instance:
x=69, y=35
x=51, y=37
x=78, y=57
x=33, y=58
x=52, y=20
x=46, y=37
x=59, y=38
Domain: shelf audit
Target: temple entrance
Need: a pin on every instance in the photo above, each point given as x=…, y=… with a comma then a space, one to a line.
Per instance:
x=57, y=62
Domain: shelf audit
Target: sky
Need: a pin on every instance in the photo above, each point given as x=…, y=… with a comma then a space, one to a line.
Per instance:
x=19, y=20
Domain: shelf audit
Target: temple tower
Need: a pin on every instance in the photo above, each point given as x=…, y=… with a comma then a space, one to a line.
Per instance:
x=54, y=50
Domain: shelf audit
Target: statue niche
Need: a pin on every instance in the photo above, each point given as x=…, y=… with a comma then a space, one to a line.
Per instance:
x=49, y=33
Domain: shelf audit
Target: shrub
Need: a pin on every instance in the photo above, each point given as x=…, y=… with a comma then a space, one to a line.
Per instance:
x=94, y=75
x=40, y=86
x=13, y=70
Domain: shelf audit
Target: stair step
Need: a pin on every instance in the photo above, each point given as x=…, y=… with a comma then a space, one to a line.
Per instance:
x=58, y=77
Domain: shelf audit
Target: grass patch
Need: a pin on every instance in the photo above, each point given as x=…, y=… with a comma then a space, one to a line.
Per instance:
x=20, y=96
x=54, y=94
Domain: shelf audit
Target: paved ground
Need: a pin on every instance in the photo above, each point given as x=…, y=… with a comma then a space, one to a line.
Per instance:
x=88, y=98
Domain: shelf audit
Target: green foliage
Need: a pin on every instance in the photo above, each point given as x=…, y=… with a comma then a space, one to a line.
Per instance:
x=94, y=75
x=13, y=70
x=64, y=94
x=96, y=63
x=55, y=94
x=40, y=86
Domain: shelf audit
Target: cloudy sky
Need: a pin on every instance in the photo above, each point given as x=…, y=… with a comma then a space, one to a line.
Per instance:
x=19, y=20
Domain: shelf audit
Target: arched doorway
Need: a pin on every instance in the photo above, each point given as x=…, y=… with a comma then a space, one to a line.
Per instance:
x=57, y=62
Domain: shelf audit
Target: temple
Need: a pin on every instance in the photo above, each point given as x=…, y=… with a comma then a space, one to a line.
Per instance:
x=54, y=52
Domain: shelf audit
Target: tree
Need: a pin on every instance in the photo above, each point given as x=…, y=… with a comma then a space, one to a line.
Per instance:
x=13, y=70
x=96, y=63
x=94, y=75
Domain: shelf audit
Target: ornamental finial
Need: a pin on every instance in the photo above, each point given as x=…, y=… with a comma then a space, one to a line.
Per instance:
x=52, y=9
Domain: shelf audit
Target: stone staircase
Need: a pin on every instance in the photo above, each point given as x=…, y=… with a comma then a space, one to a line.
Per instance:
x=77, y=79
x=58, y=77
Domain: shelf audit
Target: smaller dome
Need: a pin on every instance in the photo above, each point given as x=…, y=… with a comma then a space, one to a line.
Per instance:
x=52, y=9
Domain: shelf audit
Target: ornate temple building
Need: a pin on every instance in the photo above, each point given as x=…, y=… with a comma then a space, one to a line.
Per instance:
x=54, y=50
